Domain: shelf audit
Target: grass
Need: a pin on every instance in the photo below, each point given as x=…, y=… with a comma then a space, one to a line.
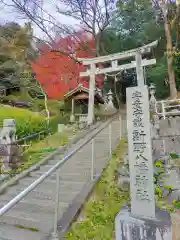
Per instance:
x=163, y=204
x=96, y=220
x=48, y=145
x=27, y=122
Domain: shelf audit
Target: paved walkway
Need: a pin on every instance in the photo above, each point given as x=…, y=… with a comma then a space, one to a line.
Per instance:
x=36, y=211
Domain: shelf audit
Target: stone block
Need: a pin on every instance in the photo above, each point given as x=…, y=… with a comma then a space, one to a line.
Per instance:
x=123, y=178
x=126, y=160
x=123, y=171
x=129, y=227
x=61, y=128
x=124, y=183
x=174, y=195
x=11, y=123
x=176, y=225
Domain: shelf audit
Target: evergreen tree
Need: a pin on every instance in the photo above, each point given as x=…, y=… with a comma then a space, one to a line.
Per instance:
x=16, y=54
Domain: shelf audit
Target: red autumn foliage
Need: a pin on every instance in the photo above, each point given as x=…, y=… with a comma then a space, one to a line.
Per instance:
x=58, y=73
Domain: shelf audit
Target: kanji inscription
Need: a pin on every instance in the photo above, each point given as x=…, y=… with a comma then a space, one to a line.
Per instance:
x=140, y=153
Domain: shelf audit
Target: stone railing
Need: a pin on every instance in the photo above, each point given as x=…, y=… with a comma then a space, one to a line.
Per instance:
x=168, y=108
x=82, y=120
x=164, y=108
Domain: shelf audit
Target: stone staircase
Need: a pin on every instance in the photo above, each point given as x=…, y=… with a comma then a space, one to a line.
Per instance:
x=32, y=217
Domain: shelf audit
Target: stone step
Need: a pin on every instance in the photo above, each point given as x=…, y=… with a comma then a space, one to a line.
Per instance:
x=8, y=232
x=36, y=210
x=65, y=197
x=35, y=205
x=81, y=167
x=40, y=221
x=81, y=175
x=50, y=183
x=78, y=177
x=79, y=161
x=80, y=154
x=43, y=193
x=71, y=168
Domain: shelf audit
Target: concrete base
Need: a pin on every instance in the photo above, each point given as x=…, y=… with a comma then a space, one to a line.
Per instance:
x=129, y=227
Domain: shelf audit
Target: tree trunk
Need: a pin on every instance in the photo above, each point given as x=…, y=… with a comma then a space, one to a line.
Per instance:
x=172, y=81
x=97, y=39
x=169, y=51
x=45, y=104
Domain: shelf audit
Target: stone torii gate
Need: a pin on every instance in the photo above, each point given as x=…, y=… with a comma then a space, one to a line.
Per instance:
x=113, y=59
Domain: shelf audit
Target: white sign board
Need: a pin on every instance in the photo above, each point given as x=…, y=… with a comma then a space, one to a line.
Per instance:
x=140, y=153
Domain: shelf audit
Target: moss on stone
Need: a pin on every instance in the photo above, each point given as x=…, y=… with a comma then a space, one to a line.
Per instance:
x=27, y=228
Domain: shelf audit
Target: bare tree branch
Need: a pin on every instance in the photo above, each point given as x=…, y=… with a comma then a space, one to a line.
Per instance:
x=41, y=18
x=93, y=14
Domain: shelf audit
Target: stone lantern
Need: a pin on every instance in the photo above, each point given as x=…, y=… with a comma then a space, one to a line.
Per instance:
x=152, y=101
x=98, y=90
x=110, y=106
x=110, y=97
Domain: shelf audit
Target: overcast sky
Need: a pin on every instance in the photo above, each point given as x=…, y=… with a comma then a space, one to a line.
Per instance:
x=9, y=14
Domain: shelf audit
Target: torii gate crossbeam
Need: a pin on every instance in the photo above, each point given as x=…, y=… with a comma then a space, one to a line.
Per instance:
x=114, y=58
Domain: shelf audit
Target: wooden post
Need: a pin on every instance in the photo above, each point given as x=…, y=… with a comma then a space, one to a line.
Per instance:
x=72, y=117
x=72, y=110
x=91, y=94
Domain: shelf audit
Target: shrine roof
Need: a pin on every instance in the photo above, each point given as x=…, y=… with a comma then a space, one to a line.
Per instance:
x=79, y=88
x=82, y=89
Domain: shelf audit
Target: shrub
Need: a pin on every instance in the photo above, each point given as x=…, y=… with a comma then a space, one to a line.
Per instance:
x=54, y=106
x=18, y=97
x=174, y=155
x=27, y=122
x=59, y=119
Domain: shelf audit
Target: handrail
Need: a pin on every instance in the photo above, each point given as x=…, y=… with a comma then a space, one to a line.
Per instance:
x=26, y=191
x=31, y=136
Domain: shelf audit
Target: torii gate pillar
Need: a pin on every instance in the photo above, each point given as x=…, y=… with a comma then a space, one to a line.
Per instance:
x=91, y=95
x=139, y=69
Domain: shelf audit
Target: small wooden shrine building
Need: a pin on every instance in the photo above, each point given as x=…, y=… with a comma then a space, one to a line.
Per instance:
x=79, y=96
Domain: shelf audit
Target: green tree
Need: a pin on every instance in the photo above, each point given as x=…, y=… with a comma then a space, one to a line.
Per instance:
x=135, y=25
x=169, y=14
x=16, y=52
x=8, y=78
x=158, y=74
x=177, y=71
